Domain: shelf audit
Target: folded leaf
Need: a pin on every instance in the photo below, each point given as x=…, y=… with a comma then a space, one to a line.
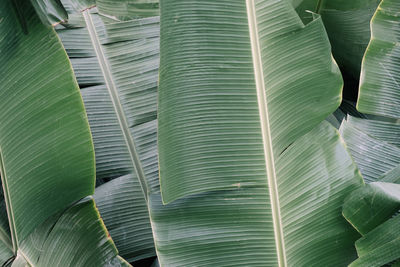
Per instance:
x=380, y=78
x=348, y=27
x=50, y=12
x=75, y=239
x=234, y=227
x=211, y=96
x=239, y=138
x=368, y=207
x=124, y=212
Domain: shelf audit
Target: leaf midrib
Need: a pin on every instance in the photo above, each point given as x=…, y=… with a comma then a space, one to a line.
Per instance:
x=266, y=133
x=114, y=95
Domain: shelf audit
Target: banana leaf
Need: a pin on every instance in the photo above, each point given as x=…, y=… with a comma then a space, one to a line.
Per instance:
x=47, y=160
x=348, y=27
x=371, y=150
x=380, y=78
x=50, y=12
x=116, y=65
x=370, y=210
x=243, y=154
x=121, y=10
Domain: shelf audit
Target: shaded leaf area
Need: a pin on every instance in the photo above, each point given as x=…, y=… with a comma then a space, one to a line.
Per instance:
x=50, y=12
x=380, y=83
x=372, y=210
x=116, y=64
x=305, y=8
x=6, y=246
x=46, y=158
x=348, y=27
x=346, y=108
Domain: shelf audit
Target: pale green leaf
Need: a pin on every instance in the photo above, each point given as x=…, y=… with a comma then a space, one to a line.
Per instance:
x=116, y=64
x=241, y=154
x=210, y=133
x=370, y=206
x=370, y=209
x=380, y=78
x=50, y=12
x=234, y=227
x=373, y=157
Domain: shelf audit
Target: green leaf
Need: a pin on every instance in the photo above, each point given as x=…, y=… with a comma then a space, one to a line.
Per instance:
x=128, y=9
x=124, y=211
x=241, y=103
x=50, y=12
x=388, y=131
x=368, y=207
x=380, y=78
x=234, y=227
x=119, y=9
x=381, y=246
x=210, y=136
x=393, y=176
x=46, y=155
x=47, y=158
x=116, y=64
x=374, y=157
x=305, y=8
x=77, y=238
x=348, y=27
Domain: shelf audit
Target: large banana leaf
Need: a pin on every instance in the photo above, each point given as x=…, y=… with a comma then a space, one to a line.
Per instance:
x=116, y=65
x=47, y=161
x=243, y=90
x=369, y=209
x=380, y=78
x=212, y=131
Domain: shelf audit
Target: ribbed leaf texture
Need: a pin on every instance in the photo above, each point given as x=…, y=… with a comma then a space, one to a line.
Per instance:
x=380, y=77
x=46, y=153
x=116, y=64
x=243, y=91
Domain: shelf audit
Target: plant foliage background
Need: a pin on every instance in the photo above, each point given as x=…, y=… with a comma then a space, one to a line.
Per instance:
x=200, y=133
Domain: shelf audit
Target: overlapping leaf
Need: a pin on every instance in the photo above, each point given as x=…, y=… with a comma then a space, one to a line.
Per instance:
x=47, y=160
x=348, y=26
x=380, y=78
x=116, y=65
x=215, y=83
x=369, y=210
